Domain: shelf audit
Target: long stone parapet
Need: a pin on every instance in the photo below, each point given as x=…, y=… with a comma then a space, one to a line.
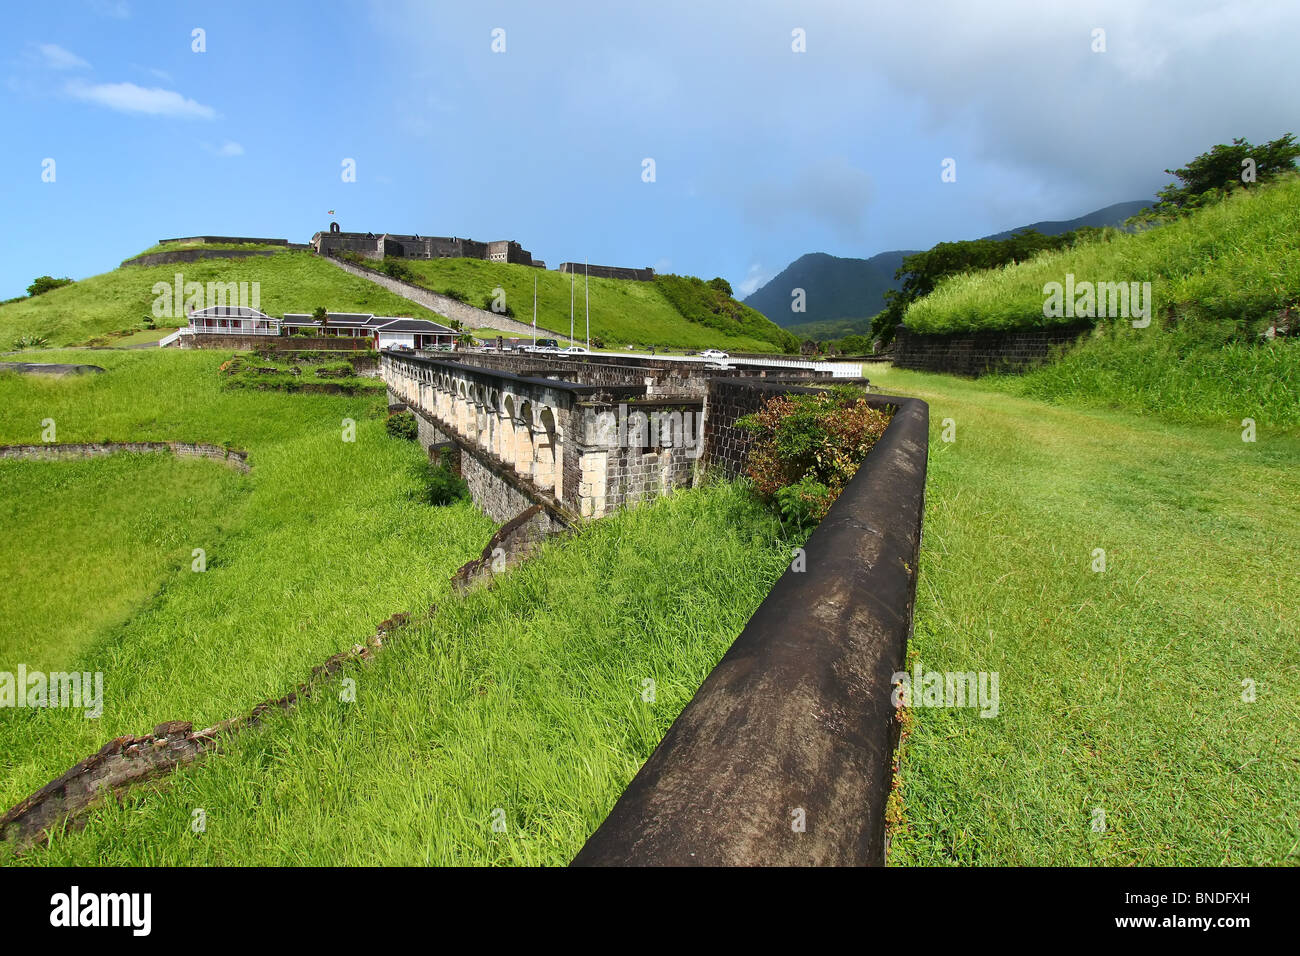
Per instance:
x=783, y=756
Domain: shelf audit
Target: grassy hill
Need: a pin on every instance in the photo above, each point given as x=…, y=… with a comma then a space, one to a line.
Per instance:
x=623, y=312
x=1219, y=278
x=1232, y=262
x=122, y=300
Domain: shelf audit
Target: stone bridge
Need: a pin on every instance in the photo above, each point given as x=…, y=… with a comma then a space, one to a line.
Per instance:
x=581, y=450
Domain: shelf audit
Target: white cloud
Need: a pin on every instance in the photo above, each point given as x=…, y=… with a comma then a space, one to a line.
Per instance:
x=58, y=58
x=229, y=148
x=755, y=277
x=129, y=98
x=114, y=9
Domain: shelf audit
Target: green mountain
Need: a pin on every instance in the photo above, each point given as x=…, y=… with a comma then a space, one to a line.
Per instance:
x=842, y=294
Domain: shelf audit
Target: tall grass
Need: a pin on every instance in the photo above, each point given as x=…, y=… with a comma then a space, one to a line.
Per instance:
x=1234, y=263
x=529, y=705
x=323, y=539
x=1183, y=375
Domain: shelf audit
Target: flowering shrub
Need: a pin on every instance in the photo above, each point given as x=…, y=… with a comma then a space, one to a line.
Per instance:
x=807, y=447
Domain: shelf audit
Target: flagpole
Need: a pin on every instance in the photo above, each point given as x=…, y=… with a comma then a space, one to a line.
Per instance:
x=586, y=291
x=534, y=312
x=572, y=279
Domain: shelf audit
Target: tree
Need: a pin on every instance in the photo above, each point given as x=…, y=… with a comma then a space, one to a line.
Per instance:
x=321, y=316
x=45, y=284
x=1215, y=173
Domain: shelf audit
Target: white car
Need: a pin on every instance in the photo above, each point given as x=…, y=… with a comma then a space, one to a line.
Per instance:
x=575, y=350
x=714, y=354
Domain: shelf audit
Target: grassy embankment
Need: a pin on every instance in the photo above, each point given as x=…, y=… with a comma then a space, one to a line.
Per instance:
x=304, y=555
x=623, y=312
x=1218, y=278
x=1121, y=690
x=526, y=697
x=87, y=311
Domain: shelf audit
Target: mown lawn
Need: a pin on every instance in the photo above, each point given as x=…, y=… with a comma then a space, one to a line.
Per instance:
x=1121, y=690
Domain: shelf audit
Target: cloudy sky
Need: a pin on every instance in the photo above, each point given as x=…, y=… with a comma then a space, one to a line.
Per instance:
x=760, y=152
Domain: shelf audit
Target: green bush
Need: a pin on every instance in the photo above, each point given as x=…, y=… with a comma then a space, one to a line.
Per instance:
x=402, y=425
x=807, y=447
x=45, y=284
x=442, y=486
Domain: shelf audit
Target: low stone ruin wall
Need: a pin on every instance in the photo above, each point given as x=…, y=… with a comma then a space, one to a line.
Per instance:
x=979, y=353
x=64, y=450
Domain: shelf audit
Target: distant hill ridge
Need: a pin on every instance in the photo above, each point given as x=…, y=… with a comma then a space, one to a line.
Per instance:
x=842, y=294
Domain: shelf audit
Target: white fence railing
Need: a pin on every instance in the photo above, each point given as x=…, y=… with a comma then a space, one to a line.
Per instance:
x=167, y=340
x=837, y=369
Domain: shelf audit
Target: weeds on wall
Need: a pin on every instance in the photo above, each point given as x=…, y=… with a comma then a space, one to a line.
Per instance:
x=402, y=425
x=807, y=447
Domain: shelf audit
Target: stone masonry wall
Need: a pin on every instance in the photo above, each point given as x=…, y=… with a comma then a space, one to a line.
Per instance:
x=181, y=449
x=978, y=353
x=277, y=343
x=726, y=446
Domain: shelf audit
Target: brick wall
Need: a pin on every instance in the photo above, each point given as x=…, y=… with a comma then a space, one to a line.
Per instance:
x=978, y=353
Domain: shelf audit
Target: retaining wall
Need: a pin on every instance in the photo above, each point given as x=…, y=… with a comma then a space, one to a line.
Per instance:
x=194, y=255
x=978, y=353
x=274, y=343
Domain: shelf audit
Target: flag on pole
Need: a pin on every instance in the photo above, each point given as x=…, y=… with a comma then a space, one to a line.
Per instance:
x=330, y=213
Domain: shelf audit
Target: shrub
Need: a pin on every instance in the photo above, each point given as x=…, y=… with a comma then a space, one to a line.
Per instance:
x=45, y=284
x=807, y=447
x=30, y=342
x=402, y=425
x=442, y=486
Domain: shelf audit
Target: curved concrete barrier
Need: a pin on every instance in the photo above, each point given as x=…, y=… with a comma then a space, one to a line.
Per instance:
x=783, y=756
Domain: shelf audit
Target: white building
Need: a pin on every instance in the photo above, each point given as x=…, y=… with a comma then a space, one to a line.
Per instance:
x=233, y=320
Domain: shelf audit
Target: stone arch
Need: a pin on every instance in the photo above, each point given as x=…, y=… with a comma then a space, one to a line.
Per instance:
x=524, y=452
x=548, y=471
x=334, y=228
x=506, y=440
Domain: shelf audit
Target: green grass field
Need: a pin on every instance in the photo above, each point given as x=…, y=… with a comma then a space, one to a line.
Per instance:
x=94, y=539
x=622, y=312
x=526, y=696
x=322, y=540
x=1232, y=263
x=122, y=300
x=1120, y=690
x=523, y=704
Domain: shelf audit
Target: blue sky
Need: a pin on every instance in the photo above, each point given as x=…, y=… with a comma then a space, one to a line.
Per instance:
x=761, y=153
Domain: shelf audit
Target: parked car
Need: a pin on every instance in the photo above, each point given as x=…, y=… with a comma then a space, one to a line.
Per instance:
x=574, y=350
x=714, y=354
